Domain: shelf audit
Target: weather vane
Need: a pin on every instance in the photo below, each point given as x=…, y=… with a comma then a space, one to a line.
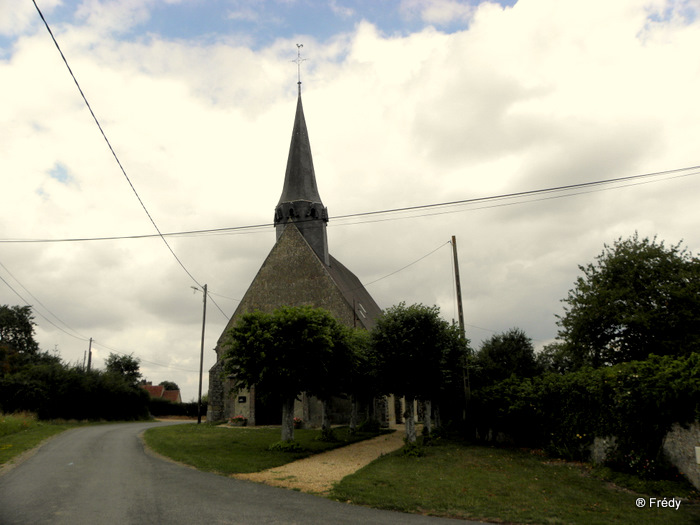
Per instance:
x=299, y=60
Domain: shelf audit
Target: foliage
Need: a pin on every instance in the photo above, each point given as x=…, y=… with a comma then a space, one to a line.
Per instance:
x=502, y=356
x=159, y=407
x=126, y=366
x=56, y=390
x=17, y=329
x=637, y=402
x=169, y=385
x=638, y=297
x=292, y=350
x=283, y=353
x=327, y=434
x=287, y=446
x=415, y=351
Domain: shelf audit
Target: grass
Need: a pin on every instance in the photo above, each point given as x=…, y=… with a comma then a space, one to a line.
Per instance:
x=237, y=450
x=497, y=484
x=22, y=432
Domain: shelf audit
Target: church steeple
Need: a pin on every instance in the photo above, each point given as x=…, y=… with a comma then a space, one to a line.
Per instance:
x=300, y=202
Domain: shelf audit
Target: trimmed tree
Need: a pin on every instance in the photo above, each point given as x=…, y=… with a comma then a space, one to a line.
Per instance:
x=284, y=354
x=409, y=344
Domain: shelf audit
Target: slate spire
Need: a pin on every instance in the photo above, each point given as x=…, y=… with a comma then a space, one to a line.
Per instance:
x=300, y=202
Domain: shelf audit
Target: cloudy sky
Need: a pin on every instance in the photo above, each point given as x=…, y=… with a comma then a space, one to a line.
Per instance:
x=408, y=103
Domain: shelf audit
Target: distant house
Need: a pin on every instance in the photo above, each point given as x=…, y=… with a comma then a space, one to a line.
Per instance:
x=159, y=392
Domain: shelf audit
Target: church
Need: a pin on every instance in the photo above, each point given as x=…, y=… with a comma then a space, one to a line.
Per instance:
x=298, y=271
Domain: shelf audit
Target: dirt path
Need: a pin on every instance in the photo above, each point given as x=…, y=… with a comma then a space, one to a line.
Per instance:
x=317, y=474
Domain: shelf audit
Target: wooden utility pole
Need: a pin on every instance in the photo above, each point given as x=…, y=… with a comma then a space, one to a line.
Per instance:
x=460, y=312
x=201, y=359
x=89, y=355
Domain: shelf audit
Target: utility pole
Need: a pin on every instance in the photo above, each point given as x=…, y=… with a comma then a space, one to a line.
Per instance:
x=89, y=355
x=460, y=313
x=201, y=358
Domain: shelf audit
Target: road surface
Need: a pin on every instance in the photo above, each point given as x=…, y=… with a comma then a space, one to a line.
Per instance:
x=102, y=475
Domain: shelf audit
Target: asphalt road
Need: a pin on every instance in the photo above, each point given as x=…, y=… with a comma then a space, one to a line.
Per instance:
x=102, y=475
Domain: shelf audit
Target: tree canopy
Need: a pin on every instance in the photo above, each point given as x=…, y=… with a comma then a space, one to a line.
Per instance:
x=416, y=353
x=17, y=329
x=169, y=385
x=126, y=366
x=292, y=350
x=503, y=355
x=638, y=297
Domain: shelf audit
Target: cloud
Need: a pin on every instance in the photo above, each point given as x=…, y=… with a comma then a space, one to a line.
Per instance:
x=438, y=12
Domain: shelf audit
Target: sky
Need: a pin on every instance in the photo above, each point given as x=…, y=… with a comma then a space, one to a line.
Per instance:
x=407, y=103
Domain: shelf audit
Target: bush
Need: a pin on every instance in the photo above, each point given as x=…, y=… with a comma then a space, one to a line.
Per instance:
x=636, y=401
x=286, y=446
x=57, y=391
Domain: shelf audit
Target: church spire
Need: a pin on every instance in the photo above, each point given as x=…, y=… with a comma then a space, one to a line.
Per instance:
x=300, y=202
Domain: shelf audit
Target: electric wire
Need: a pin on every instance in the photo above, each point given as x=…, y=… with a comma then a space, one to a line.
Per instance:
x=629, y=180
x=79, y=335
x=39, y=313
x=114, y=153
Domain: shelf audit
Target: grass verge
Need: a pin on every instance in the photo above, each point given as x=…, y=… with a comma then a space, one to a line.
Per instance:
x=22, y=432
x=496, y=484
x=238, y=450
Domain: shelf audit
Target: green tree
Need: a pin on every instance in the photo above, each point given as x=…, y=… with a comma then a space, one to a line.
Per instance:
x=504, y=355
x=17, y=329
x=126, y=366
x=169, y=385
x=637, y=298
x=409, y=343
x=284, y=354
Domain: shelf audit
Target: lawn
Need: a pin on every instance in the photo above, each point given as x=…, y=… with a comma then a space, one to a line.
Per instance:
x=22, y=432
x=238, y=450
x=498, y=484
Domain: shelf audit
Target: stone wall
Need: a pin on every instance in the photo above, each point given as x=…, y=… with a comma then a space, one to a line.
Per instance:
x=679, y=447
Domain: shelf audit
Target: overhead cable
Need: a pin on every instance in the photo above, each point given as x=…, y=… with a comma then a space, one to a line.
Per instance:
x=114, y=154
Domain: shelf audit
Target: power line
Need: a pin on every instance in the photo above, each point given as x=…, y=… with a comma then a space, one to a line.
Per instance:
x=630, y=180
x=408, y=265
x=114, y=154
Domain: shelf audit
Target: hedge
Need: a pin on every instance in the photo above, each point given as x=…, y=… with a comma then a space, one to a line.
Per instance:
x=637, y=402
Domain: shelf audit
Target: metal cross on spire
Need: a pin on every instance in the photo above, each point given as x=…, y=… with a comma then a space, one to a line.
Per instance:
x=299, y=60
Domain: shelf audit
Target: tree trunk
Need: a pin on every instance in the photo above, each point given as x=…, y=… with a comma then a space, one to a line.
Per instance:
x=325, y=415
x=288, y=419
x=354, y=415
x=427, y=416
x=409, y=415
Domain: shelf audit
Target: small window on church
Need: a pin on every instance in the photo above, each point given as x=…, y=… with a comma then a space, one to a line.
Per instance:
x=361, y=310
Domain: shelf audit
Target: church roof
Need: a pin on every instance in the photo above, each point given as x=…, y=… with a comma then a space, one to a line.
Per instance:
x=300, y=178
x=366, y=309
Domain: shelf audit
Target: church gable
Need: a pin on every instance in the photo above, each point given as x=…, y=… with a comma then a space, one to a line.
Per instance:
x=293, y=275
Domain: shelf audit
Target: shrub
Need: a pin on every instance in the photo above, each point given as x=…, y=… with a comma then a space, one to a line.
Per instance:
x=636, y=401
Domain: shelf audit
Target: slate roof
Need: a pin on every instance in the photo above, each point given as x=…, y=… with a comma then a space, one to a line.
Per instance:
x=355, y=293
x=300, y=178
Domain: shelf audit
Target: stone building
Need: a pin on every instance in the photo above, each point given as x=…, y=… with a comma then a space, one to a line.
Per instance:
x=298, y=271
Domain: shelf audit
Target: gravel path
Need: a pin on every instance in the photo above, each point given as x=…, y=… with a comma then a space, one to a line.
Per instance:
x=317, y=474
